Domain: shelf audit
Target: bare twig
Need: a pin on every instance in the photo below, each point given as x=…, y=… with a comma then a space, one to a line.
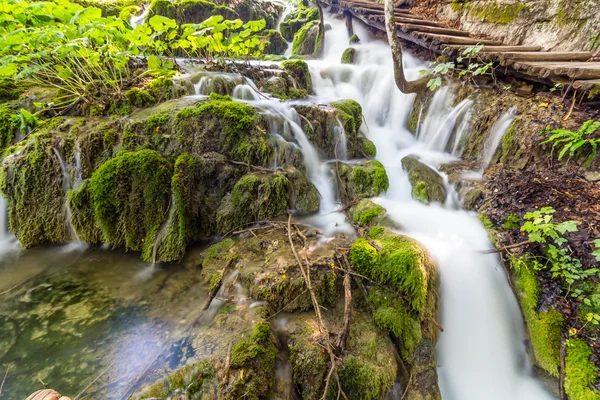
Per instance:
x=407, y=387
x=215, y=289
x=4, y=379
x=566, y=117
x=512, y=246
x=256, y=167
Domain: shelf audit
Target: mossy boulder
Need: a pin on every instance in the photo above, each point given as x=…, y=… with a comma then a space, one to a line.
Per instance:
x=254, y=197
x=358, y=181
x=354, y=39
x=222, y=126
x=284, y=88
x=304, y=197
x=7, y=130
x=306, y=40
x=34, y=185
x=296, y=20
x=348, y=55
x=130, y=195
x=366, y=213
x=427, y=185
x=276, y=42
x=198, y=379
x=405, y=301
x=299, y=72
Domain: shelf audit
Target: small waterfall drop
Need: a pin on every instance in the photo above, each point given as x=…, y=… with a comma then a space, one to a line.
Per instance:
x=498, y=130
x=341, y=147
x=66, y=180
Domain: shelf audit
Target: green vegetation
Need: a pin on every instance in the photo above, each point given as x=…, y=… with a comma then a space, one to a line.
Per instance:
x=427, y=184
x=130, y=197
x=192, y=380
x=354, y=39
x=572, y=141
x=365, y=180
x=580, y=372
x=348, y=55
x=545, y=328
x=366, y=211
x=298, y=70
x=296, y=20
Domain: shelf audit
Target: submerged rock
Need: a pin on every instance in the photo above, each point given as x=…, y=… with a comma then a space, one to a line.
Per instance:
x=427, y=185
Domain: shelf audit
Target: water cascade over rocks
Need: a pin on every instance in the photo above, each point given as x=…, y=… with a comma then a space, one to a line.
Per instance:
x=481, y=353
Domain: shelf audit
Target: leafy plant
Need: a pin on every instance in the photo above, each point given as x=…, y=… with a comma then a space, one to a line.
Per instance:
x=572, y=141
x=541, y=228
x=469, y=72
x=24, y=121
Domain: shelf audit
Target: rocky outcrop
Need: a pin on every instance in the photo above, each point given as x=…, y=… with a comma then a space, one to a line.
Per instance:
x=559, y=25
x=358, y=181
x=427, y=185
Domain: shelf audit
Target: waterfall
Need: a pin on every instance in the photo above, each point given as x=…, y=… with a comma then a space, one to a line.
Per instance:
x=498, y=130
x=481, y=352
x=341, y=147
x=138, y=20
x=66, y=180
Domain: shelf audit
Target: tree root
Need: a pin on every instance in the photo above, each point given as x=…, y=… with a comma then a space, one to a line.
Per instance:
x=505, y=248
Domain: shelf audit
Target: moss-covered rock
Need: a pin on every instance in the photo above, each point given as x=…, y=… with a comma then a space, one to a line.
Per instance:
x=127, y=12
x=227, y=127
x=7, y=131
x=197, y=379
x=348, y=55
x=366, y=212
x=580, y=372
x=253, y=198
x=305, y=40
x=427, y=185
x=276, y=42
x=130, y=195
x=299, y=72
x=304, y=197
x=294, y=21
x=284, y=88
x=544, y=327
x=368, y=179
x=354, y=39
x=34, y=186
x=369, y=369
x=405, y=300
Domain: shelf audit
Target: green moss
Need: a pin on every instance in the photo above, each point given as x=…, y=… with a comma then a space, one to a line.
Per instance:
x=365, y=180
x=253, y=362
x=33, y=185
x=354, y=39
x=166, y=8
x=220, y=250
x=130, y=196
x=368, y=148
x=298, y=70
x=510, y=146
x=486, y=222
x=227, y=127
x=275, y=43
x=350, y=113
x=6, y=127
x=127, y=12
x=161, y=89
x=119, y=108
x=427, y=184
x=580, y=372
x=544, y=327
x=253, y=198
x=391, y=314
x=139, y=98
x=369, y=369
x=195, y=380
x=10, y=91
x=366, y=211
x=402, y=264
x=348, y=56
x=296, y=20
x=156, y=122
x=494, y=13
x=82, y=215
x=219, y=97
x=512, y=221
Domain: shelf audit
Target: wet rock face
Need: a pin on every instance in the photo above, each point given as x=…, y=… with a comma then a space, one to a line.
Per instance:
x=368, y=179
x=553, y=24
x=427, y=185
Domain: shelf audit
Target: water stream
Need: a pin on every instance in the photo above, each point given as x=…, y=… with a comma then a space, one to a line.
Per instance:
x=481, y=353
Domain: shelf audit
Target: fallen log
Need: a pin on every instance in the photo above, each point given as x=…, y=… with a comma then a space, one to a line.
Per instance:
x=432, y=29
x=447, y=39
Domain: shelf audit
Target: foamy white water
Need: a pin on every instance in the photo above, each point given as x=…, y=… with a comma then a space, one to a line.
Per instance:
x=481, y=353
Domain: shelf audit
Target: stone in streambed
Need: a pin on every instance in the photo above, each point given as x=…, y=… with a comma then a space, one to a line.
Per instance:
x=427, y=185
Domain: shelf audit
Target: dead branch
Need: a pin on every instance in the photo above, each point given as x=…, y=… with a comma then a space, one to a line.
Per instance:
x=404, y=85
x=345, y=332
x=215, y=289
x=320, y=322
x=566, y=117
x=321, y=38
x=4, y=379
x=407, y=387
x=512, y=246
x=256, y=167
x=94, y=381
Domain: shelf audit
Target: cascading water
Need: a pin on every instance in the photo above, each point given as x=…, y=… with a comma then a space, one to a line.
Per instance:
x=496, y=135
x=481, y=353
x=66, y=186
x=138, y=20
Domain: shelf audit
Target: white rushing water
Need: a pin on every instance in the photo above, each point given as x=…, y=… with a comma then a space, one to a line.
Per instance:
x=481, y=353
